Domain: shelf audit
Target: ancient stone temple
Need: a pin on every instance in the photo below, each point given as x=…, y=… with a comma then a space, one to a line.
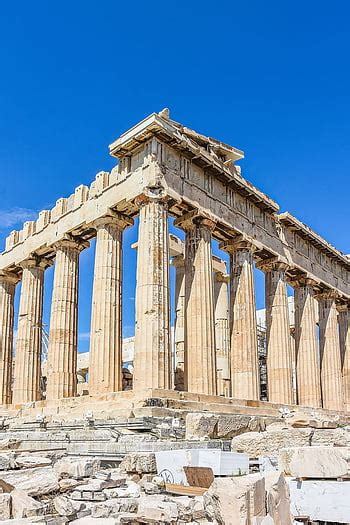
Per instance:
x=167, y=170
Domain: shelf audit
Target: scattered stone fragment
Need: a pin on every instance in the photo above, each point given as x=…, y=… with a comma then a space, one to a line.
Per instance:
x=242, y=497
x=23, y=506
x=139, y=463
x=34, y=481
x=278, y=498
x=31, y=461
x=68, y=483
x=5, y=507
x=65, y=506
x=7, y=460
x=76, y=468
x=153, y=509
x=314, y=462
x=132, y=490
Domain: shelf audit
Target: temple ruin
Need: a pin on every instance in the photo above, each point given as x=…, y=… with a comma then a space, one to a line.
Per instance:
x=164, y=170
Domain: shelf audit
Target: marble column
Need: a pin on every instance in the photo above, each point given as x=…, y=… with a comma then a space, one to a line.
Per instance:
x=344, y=337
x=105, y=367
x=179, y=376
x=331, y=374
x=152, y=360
x=279, y=351
x=63, y=338
x=200, y=350
x=245, y=383
x=27, y=372
x=7, y=294
x=222, y=333
x=307, y=355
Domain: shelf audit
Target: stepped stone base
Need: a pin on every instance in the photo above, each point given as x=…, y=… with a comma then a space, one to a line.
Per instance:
x=156, y=403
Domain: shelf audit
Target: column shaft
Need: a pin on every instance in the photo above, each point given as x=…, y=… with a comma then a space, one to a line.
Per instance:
x=152, y=358
x=279, y=351
x=331, y=376
x=308, y=362
x=344, y=334
x=244, y=340
x=106, y=317
x=179, y=336
x=222, y=334
x=7, y=294
x=200, y=360
x=29, y=334
x=62, y=354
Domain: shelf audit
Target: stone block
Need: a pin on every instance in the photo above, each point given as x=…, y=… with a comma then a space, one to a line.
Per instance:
x=7, y=461
x=327, y=501
x=278, y=499
x=241, y=498
x=30, y=461
x=5, y=507
x=88, y=495
x=314, y=462
x=113, y=507
x=34, y=481
x=23, y=506
x=269, y=443
x=153, y=509
x=65, y=506
x=139, y=463
x=132, y=490
x=76, y=468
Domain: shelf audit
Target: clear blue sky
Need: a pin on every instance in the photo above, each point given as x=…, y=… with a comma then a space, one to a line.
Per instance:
x=271, y=78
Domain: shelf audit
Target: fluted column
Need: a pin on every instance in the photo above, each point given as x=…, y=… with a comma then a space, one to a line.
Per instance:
x=222, y=333
x=105, y=366
x=307, y=358
x=62, y=353
x=244, y=341
x=152, y=358
x=331, y=374
x=27, y=372
x=7, y=294
x=279, y=351
x=179, y=380
x=200, y=350
x=344, y=335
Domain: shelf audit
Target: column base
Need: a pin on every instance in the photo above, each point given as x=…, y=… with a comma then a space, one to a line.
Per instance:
x=159, y=403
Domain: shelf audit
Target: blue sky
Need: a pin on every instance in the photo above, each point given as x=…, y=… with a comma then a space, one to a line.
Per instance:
x=271, y=78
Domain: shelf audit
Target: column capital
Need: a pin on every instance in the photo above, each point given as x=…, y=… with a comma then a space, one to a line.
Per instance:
x=327, y=294
x=239, y=243
x=221, y=277
x=35, y=261
x=71, y=242
x=113, y=218
x=195, y=219
x=273, y=263
x=178, y=261
x=8, y=277
x=301, y=281
x=343, y=306
x=152, y=195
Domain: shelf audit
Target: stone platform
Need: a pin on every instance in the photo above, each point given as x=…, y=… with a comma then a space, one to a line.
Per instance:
x=157, y=403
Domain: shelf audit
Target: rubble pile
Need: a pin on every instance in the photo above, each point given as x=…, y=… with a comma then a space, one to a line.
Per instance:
x=266, y=479
x=38, y=488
